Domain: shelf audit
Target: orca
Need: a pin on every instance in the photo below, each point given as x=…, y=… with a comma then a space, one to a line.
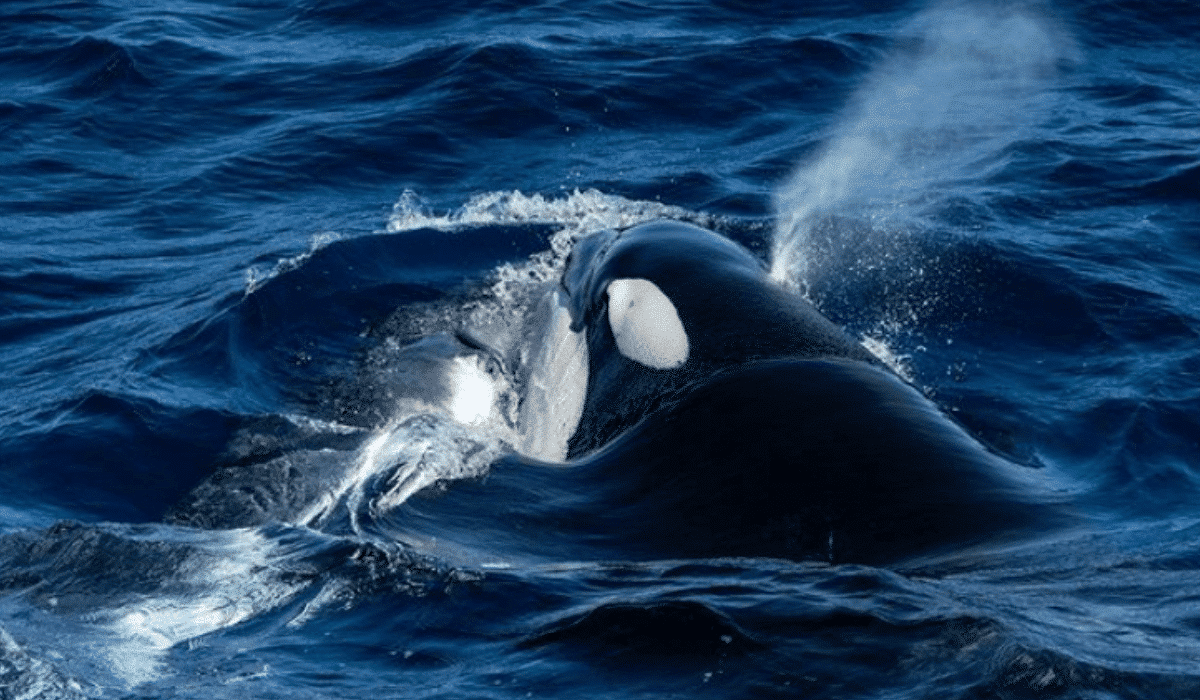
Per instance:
x=724, y=415
x=671, y=401
x=673, y=283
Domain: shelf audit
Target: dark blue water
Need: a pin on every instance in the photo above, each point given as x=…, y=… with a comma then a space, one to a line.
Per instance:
x=226, y=221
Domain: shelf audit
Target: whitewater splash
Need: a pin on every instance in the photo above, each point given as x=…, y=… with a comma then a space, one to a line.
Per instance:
x=256, y=277
x=579, y=213
x=962, y=83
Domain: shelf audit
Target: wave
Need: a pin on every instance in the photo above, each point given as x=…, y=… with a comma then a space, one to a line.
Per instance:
x=112, y=456
x=128, y=594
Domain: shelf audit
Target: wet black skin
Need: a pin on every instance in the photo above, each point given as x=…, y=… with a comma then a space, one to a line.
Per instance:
x=732, y=312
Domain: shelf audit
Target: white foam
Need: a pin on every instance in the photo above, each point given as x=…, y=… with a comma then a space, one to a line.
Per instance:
x=882, y=350
x=417, y=453
x=416, y=449
x=256, y=277
x=582, y=212
x=228, y=581
x=27, y=677
x=316, y=425
x=645, y=324
x=578, y=214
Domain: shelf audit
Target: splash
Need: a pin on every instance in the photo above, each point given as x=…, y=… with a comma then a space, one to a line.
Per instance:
x=580, y=213
x=961, y=84
x=879, y=347
x=451, y=418
x=230, y=576
x=256, y=277
x=577, y=215
x=400, y=460
x=27, y=676
x=517, y=286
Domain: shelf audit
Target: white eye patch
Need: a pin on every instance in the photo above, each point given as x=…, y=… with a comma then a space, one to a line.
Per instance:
x=645, y=324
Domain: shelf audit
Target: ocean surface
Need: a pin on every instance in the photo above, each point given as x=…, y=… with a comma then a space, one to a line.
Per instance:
x=233, y=230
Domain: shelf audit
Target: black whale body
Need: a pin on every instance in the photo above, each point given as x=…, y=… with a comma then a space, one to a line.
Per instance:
x=779, y=436
x=732, y=313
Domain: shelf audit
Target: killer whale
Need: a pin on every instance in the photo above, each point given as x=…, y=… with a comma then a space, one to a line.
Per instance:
x=682, y=405
x=726, y=416
x=723, y=302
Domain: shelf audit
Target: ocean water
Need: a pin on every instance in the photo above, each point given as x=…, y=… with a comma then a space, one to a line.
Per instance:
x=238, y=233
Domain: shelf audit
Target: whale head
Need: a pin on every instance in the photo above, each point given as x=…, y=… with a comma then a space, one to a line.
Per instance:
x=665, y=305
